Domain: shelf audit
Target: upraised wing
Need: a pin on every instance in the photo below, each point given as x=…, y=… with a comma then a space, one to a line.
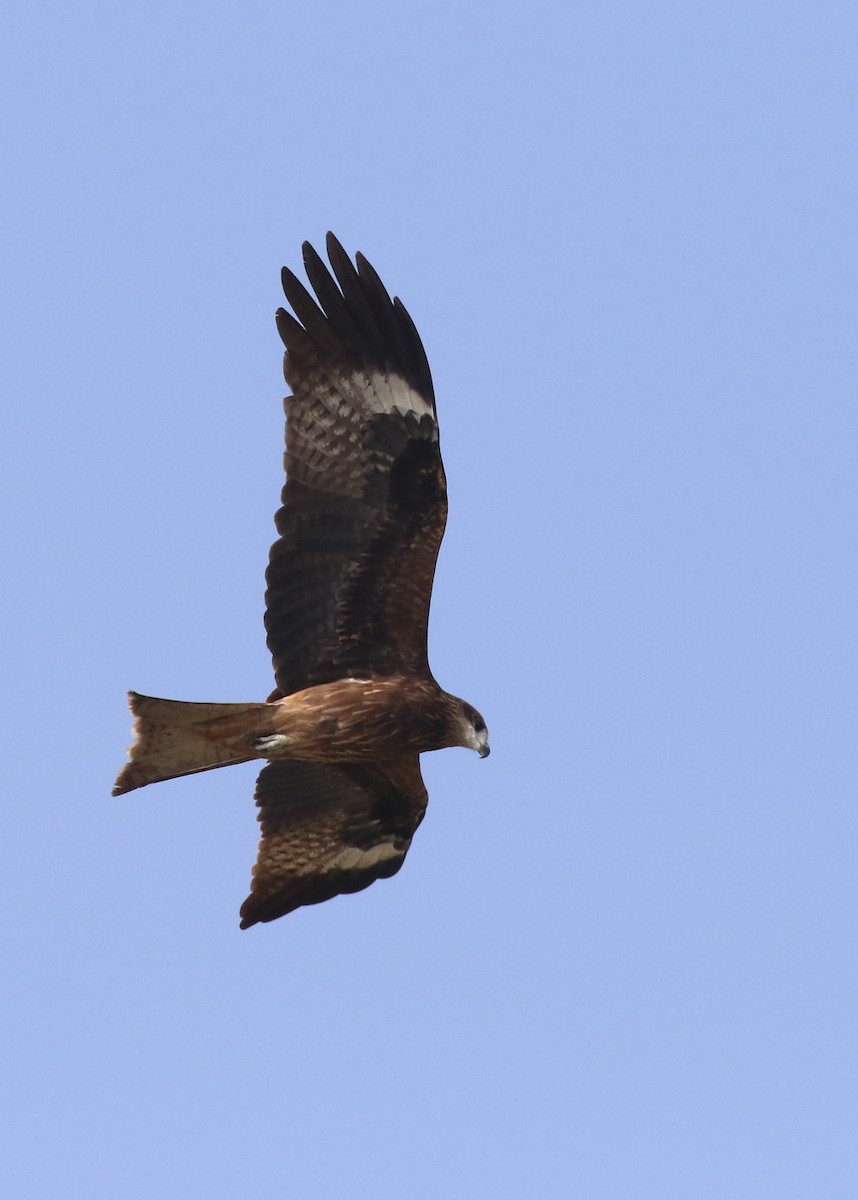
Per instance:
x=330, y=829
x=365, y=502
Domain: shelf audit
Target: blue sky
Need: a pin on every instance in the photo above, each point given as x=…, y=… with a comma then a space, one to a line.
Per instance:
x=620, y=960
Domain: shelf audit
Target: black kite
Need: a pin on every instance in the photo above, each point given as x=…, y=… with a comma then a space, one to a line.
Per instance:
x=347, y=609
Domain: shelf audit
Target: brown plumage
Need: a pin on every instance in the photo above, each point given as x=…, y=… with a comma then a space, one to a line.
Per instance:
x=347, y=608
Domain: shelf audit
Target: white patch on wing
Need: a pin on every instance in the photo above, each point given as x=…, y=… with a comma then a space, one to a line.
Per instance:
x=355, y=859
x=389, y=393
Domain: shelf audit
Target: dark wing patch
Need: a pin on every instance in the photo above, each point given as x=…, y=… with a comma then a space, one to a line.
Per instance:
x=328, y=830
x=364, y=505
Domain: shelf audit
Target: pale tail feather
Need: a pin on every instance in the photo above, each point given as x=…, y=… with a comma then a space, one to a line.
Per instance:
x=177, y=737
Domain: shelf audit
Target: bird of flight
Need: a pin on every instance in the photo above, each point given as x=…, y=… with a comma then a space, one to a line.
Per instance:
x=347, y=609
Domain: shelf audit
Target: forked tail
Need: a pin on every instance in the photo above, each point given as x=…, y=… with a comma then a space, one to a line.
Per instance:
x=175, y=737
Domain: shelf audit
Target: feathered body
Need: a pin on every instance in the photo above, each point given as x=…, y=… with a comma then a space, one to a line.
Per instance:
x=347, y=606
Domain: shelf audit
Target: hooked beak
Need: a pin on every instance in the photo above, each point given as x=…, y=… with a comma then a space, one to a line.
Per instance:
x=484, y=750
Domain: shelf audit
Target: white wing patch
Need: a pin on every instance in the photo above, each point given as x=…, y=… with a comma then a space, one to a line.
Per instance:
x=390, y=393
x=355, y=859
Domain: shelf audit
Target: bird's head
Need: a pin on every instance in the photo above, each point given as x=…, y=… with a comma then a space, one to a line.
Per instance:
x=474, y=734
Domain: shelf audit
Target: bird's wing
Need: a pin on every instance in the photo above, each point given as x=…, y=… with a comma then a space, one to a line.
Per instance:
x=329, y=829
x=365, y=503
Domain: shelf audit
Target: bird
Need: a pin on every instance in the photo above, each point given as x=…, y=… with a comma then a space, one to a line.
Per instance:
x=348, y=587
